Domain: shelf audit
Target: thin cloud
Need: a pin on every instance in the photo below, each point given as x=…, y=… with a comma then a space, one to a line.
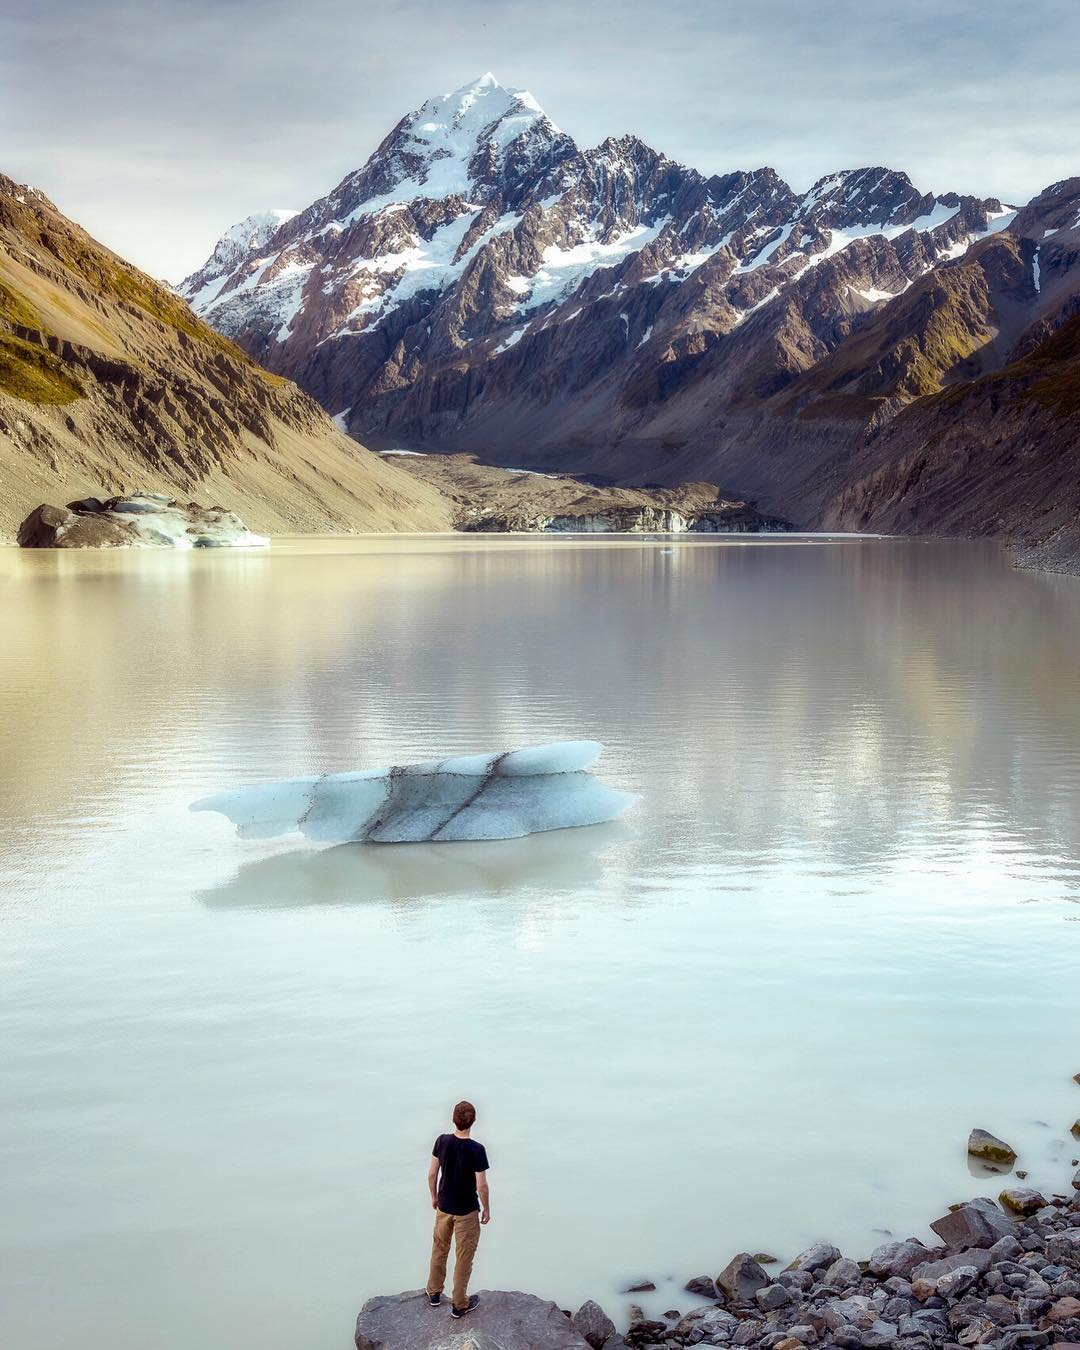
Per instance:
x=157, y=124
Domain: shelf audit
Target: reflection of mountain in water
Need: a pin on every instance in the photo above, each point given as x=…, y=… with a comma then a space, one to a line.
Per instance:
x=348, y=874
x=821, y=710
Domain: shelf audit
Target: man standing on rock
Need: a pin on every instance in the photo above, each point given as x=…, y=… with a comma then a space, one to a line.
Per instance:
x=457, y=1180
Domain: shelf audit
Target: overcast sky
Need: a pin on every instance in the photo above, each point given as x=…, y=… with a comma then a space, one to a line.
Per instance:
x=158, y=123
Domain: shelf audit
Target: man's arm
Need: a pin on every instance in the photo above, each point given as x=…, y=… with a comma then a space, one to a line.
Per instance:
x=484, y=1196
x=433, y=1181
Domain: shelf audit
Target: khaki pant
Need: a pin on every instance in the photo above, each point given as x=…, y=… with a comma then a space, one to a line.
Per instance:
x=465, y=1230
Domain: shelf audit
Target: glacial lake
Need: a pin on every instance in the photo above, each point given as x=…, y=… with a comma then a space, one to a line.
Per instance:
x=766, y=1007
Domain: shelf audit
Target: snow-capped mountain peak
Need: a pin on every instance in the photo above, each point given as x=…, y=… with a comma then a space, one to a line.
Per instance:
x=453, y=141
x=478, y=232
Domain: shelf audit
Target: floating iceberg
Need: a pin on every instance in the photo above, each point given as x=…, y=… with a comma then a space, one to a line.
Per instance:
x=499, y=796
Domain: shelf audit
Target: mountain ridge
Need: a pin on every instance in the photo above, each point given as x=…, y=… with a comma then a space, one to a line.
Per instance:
x=108, y=382
x=612, y=312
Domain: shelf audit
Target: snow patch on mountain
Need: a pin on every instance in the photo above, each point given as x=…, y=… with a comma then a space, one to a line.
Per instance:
x=563, y=269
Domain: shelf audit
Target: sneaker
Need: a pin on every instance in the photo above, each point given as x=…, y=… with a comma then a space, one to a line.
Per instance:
x=434, y=1300
x=462, y=1312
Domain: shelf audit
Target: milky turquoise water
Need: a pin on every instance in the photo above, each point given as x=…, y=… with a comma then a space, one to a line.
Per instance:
x=839, y=930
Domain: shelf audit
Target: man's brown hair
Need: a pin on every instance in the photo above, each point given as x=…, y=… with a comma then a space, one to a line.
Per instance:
x=464, y=1115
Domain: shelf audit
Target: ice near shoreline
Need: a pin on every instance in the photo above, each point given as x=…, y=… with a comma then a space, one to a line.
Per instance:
x=486, y=796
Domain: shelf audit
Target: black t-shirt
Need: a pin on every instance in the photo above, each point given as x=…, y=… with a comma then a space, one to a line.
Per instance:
x=459, y=1160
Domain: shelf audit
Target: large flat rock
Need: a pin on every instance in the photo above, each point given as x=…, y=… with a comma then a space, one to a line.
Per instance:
x=505, y=1320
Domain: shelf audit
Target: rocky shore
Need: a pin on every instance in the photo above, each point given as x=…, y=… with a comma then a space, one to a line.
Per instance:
x=1002, y=1275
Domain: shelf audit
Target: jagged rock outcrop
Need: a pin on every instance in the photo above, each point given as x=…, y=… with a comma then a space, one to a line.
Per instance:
x=108, y=381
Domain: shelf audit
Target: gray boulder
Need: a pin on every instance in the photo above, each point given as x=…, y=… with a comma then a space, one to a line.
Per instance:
x=1076, y=1180
x=593, y=1324
x=897, y=1258
x=741, y=1278
x=813, y=1258
x=856, y=1311
x=55, y=527
x=957, y=1282
x=932, y=1271
x=773, y=1296
x=843, y=1274
x=929, y=1322
x=1022, y=1199
x=1064, y=1248
x=1007, y=1249
x=978, y=1223
x=709, y=1322
x=983, y=1144
x=702, y=1285
x=503, y=1321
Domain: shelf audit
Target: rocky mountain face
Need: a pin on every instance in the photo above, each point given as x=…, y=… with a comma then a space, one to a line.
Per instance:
x=483, y=284
x=108, y=382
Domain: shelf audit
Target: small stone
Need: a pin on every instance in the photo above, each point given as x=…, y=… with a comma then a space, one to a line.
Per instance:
x=1022, y=1199
x=773, y=1296
x=788, y=1343
x=672, y=1314
x=1076, y=1180
x=638, y=1287
x=593, y=1324
x=748, y=1333
x=1074, y=1129
x=741, y=1278
x=765, y=1258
